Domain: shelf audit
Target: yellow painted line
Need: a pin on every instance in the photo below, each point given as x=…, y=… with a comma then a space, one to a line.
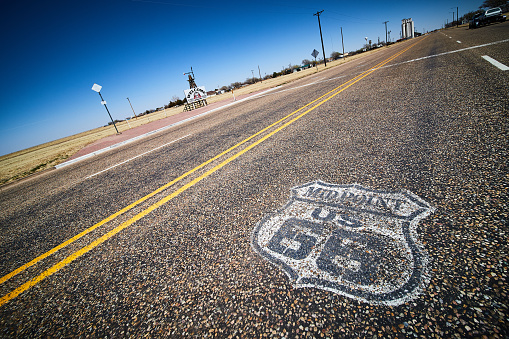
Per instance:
x=136, y=203
x=160, y=189
x=166, y=199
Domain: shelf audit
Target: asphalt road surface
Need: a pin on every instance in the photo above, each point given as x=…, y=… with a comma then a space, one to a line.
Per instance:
x=368, y=200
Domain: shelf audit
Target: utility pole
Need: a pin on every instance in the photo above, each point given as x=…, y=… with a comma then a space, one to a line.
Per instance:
x=342, y=44
x=252, y=72
x=132, y=108
x=457, y=16
x=385, y=22
x=320, y=26
x=260, y=73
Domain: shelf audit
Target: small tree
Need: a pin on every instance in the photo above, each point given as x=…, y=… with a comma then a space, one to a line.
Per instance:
x=306, y=62
x=470, y=15
x=494, y=3
x=335, y=55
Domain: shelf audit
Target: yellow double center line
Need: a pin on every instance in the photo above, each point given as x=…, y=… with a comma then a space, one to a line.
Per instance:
x=326, y=97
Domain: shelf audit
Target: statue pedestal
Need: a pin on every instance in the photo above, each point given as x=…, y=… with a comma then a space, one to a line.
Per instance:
x=195, y=104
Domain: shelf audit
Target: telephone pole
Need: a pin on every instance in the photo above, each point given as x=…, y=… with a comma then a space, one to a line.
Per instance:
x=342, y=44
x=321, y=38
x=457, y=16
x=385, y=22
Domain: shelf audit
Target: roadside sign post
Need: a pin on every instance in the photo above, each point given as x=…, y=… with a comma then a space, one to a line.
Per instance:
x=314, y=55
x=97, y=88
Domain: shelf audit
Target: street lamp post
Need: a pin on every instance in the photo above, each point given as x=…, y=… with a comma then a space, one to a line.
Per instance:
x=97, y=88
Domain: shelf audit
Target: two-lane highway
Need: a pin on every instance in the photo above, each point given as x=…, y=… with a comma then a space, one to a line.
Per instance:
x=367, y=200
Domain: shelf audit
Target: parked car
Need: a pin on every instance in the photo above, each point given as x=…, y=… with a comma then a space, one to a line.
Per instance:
x=475, y=21
x=492, y=15
x=488, y=17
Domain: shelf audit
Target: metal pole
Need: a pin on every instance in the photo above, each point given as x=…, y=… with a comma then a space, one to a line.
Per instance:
x=132, y=108
x=385, y=22
x=321, y=38
x=342, y=44
x=102, y=100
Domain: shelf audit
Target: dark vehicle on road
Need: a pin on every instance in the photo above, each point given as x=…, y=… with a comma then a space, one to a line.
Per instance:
x=488, y=17
x=475, y=21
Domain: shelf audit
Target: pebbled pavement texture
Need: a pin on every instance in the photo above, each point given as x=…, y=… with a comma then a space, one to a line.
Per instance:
x=181, y=262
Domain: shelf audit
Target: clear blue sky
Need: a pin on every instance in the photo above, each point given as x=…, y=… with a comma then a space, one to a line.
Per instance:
x=53, y=51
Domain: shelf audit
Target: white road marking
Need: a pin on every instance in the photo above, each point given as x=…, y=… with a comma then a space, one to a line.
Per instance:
x=318, y=81
x=494, y=62
x=161, y=129
x=397, y=64
x=123, y=162
x=336, y=237
x=459, y=42
x=445, y=53
x=404, y=62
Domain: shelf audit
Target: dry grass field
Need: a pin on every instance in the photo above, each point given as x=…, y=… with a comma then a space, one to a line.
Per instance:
x=26, y=162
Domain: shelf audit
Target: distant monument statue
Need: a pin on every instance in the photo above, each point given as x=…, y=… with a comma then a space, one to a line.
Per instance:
x=192, y=84
x=195, y=96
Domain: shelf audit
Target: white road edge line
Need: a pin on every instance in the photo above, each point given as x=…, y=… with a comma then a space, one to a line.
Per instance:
x=139, y=155
x=445, y=53
x=75, y=160
x=494, y=62
x=310, y=84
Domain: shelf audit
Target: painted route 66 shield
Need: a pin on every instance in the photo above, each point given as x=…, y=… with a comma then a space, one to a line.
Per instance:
x=348, y=239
